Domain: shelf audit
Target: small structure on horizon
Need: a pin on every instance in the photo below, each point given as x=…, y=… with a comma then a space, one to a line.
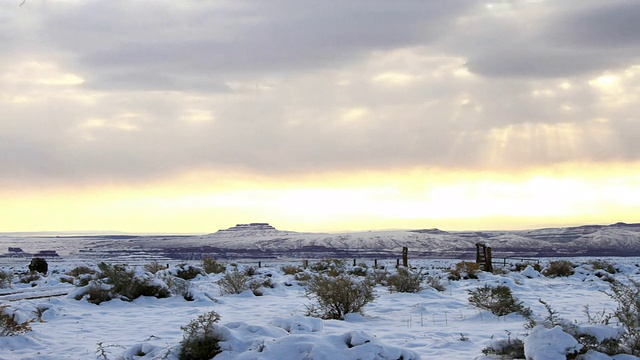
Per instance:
x=483, y=257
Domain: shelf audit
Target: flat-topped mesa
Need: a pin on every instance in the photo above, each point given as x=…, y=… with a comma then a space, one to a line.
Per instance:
x=250, y=227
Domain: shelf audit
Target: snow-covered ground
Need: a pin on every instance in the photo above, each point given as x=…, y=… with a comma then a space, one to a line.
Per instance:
x=427, y=325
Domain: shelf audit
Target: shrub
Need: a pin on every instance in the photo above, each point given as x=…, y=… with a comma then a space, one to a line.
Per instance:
x=359, y=270
x=627, y=298
x=6, y=278
x=117, y=281
x=331, y=267
x=234, y=282
x=435, y=282
x=290, y=269
x=406, y=281
x=523, y=265
x=199, y=340
x=497, y=299
x=178, y=286
x=506, y=348
x=338, y=296
x=187, y=272
x=603, y=265
x=10, y=324
x=154, y=266
x=212, y=266
x=30, y=278
x=464, y=270
x=39, y=265
x=81, y=270
x=559, y=268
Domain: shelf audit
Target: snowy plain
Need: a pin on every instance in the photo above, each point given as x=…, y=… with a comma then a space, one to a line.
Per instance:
x=429, y=324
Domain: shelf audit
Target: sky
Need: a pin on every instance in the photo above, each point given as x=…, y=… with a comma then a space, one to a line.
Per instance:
x=191, y=116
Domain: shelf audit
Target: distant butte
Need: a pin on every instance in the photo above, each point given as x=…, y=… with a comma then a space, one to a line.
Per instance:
x=250, y=227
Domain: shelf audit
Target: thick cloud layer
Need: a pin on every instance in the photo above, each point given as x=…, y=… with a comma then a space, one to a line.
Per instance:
x=94, y=90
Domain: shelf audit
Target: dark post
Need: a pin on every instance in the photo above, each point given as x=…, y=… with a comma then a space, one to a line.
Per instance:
x=259, y=264
x=354, y=262
x=397, y=263
x=489, y=265
x=405, y=256
x=305, y=263
x=375, y=263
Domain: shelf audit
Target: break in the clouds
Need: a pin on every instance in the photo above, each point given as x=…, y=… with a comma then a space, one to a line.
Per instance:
x=94, y=90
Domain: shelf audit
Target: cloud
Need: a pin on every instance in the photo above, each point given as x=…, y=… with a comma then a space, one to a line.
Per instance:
x=108, y=91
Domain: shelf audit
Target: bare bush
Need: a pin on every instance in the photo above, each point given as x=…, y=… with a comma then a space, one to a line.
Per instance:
x=6, y=278
x=187, y=272
x=234, y=282
x=291, y=269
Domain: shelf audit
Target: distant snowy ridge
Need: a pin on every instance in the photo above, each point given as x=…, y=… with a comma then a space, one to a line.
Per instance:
x=262, y=240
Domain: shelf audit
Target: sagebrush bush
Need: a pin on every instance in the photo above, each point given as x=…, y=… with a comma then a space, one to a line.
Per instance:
x=81, y=270
x=331, y=267
x=464, y=270
x=9, y=324
x=497, y=299
x=187, y=272
x=234, y=282
x=627, y=298
x=559, y=268
x=178, y=286
x=39, y=265
x=338, y=296
x=405, y=280
x=291, y=269
x=436, y=283
x=523, y=265
x=603, y=265
x=118, y=281
x=199, y=338
x=6, y=278
x=506, y=348
x=212, y=266
x=30, y=277
x=154, y=266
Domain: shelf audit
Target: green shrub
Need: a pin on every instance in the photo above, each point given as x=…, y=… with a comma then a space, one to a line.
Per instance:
x=559, y=268
x=39, y=265
x=338, y=296
x=212, y=266
x=497, y=299
x=199, y=338
x=406, y=281
x=464, y=270
x=9, y=326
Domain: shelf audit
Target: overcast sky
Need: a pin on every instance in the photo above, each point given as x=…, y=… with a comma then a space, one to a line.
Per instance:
x=279, y=96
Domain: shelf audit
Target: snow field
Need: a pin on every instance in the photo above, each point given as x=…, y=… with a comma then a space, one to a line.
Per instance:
x=428, y=324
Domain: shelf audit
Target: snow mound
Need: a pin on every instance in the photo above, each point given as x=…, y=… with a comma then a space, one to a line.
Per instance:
x=299, y=324
x=550, y=344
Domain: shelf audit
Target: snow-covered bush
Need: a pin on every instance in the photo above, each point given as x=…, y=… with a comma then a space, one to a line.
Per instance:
x=187, y=272
x=118, y=281
x=11, y=323
x=435, y=282
x=627, y=298
x=212, y=266
x=464, y=270
x=234, y=282
x=291, y=269
x=338, y=296
x=6, y=278
x=558, y=268
x=154, y=266
x=497, y=299
x=509, y=348
x=199, y=340
x=405, y=280
x=331, y=267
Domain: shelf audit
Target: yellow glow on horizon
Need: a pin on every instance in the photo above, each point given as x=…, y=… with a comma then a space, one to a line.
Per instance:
x=415, y=198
